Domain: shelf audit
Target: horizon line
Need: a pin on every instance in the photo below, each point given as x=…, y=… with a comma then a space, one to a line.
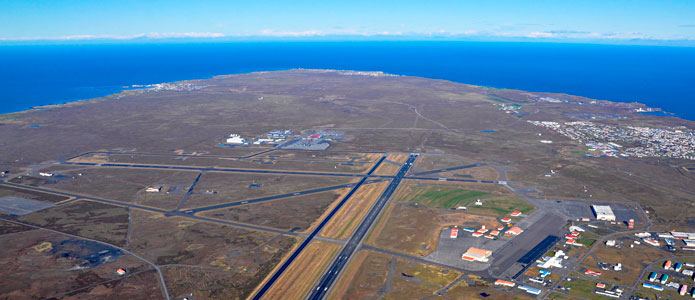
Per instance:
x=320, y=36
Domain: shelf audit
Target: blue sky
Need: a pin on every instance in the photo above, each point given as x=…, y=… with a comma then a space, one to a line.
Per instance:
x=614, y=21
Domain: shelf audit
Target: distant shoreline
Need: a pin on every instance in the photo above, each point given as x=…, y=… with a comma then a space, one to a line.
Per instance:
x=135, y=87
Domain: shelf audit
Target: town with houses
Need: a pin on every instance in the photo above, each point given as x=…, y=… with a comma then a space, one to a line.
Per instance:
x=636, y=141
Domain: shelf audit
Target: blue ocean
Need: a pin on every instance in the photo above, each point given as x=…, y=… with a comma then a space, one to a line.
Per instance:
x=664, y=77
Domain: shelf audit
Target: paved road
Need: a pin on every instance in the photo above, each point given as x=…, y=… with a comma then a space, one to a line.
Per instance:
x=275, y=197
x=154, y=266
x=450, y=179
x=313, y=234
x=211, y=155
x=331, y=274
x=156, y=210
x=189, y=192
x=203, y=169
x=413, y=258
x=448, y=169
x=170, y=154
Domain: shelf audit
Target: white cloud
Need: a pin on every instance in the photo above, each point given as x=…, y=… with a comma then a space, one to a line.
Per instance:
x=319, y=33
x=539, y=34
x=503, y=33
x=150, y=35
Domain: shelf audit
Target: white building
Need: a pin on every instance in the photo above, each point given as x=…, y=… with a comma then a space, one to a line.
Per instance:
x=555, y=261
x=153, y=189
x=235, y=139
x=603, y=212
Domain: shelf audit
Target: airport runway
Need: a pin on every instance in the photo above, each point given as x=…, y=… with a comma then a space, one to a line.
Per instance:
x=207, y=169
x=331, y=274
x=263, y=199
x=315, y=232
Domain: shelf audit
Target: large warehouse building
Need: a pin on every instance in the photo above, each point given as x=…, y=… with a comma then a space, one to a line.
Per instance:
x=475, y=254
x=603, y=212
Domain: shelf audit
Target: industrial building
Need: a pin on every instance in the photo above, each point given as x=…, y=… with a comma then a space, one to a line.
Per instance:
x=530, y=290
x=603, y=212
x=652, y=286
x=504, y=283
x=236, y=139
x=475, y=254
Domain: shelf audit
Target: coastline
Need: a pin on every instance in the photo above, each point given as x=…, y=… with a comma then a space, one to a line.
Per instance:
x=646, y=110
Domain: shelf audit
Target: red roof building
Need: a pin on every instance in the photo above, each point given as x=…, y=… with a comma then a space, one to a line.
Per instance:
x=504, y=283
x=515, y=231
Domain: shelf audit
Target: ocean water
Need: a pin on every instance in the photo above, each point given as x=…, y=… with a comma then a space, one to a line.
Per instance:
x=664, y=77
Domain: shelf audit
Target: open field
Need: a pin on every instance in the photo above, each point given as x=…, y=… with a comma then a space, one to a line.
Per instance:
x=299, y=278
x=391, y=166
x=29, y=194
x=298, y=212
x=121, y=184
x=138, y=286
x=322, y=156
x=481, y=290
x=413, y=229
x=349, y=216
x=452, y=197
x=7, y=228
x=430, y=162
x=42, y=264
x=208, y=283
x=89, y=219
x=444, y=197
x=583, y=288
x=262, y=163
x=236, y=187
x=386, y=169
x=482, y=172
x=174, y=240
x=374, y=275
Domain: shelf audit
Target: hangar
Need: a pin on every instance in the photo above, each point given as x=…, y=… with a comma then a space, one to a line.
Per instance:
x=603, y=212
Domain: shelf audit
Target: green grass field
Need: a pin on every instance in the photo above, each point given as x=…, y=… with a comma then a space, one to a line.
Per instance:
x=584, y=288
x=496, y=100
x=449, y=197
x=586, y=242
x=445, y=197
